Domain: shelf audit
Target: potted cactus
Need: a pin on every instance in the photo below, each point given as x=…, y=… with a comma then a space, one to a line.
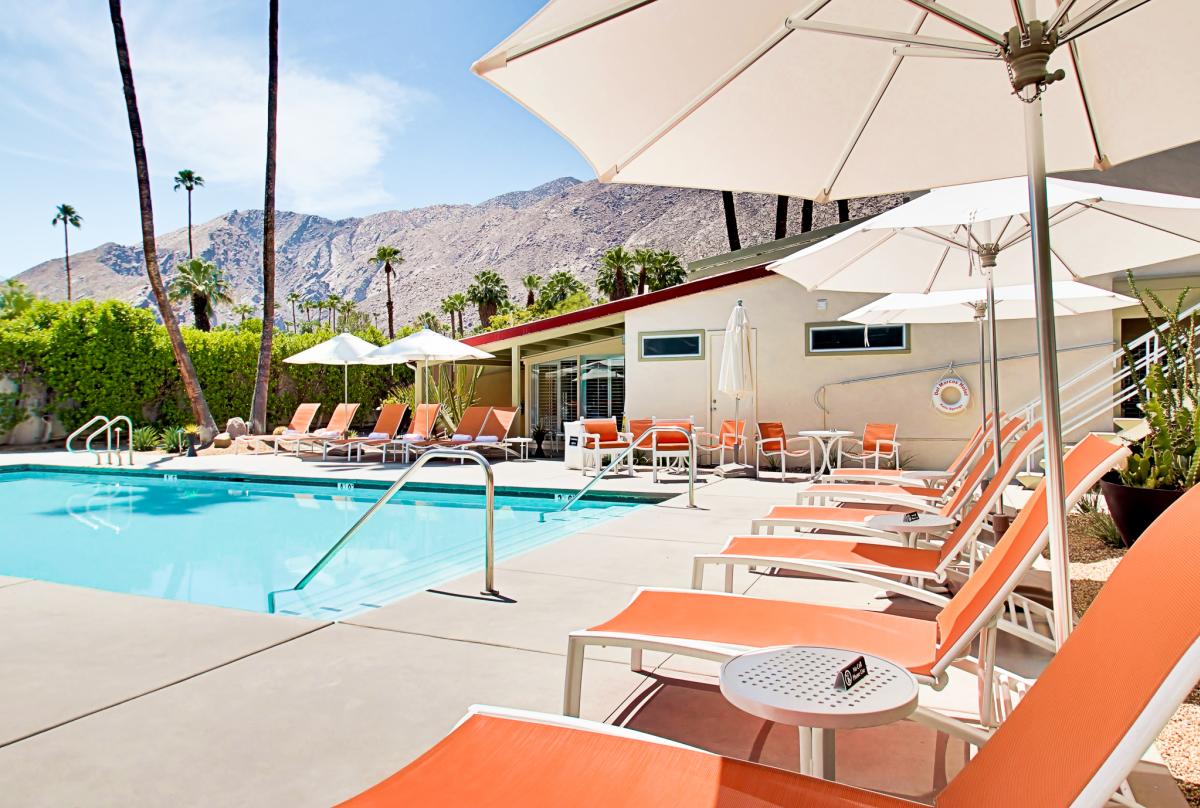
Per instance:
x=1165, y=462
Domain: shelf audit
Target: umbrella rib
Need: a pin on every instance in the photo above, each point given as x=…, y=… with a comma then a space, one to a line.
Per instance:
x=1063, y=7
x=1101, y=161
x=960, y=20
x=566, y=32
x=1090, y=206
x=1019, y=15
x=1056, y=218
x=1077, y=28
x=898, y=37
x=937, y=270
x=938, y=236
x=1074, y=275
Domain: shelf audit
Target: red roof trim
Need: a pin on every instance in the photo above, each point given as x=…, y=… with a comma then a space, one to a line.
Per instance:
x=623, y=305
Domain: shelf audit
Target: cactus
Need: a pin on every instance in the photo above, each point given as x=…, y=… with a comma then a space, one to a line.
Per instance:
x=1169, y=397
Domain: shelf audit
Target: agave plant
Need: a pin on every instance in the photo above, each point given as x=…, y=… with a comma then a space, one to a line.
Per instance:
x=144, y=439
x=1169, y=397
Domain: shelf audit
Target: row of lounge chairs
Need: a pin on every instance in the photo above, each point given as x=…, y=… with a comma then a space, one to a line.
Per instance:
x=480, y=428
x=1071, y=739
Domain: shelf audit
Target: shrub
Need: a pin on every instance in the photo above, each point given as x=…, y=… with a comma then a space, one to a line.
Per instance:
x=144, y=439
x=172, y=439
x=1096, y=523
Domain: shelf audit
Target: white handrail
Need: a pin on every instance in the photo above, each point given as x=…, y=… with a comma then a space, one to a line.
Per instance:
x=107, y=425
x=691, y=439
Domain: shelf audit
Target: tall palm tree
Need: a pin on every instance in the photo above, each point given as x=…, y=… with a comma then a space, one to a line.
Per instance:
x=201, y=282
x=189, y=181
x=487, y=291
x=558, y=287
x=616, y=273
x=68, y=216
x=644, y=259
x=242, y=310
x=293, y=298
x=334, y=302
x=187, y=371
x=350, y=316
x=531, y=283
x=266, y=341
x=388, y=256
x=452, y=306
x=428, y=319
x=667, y=270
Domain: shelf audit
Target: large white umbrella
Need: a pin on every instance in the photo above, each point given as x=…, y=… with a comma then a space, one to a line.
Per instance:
x=736, y=377
x=344, y=350
x=423, y=347
x=966, y=305
x=833, y=99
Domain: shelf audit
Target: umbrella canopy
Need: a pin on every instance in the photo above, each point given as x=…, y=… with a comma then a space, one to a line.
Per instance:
x=344, y=350
x=736, y=377
x=425, y=345
x=964, y=305
x=923, y=245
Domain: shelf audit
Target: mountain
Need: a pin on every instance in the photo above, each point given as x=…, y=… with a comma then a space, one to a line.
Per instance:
x=563, y=224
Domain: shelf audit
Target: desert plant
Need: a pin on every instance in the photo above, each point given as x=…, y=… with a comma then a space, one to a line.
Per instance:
x=189, y=181
x=1096, y=523
x=531, y=283
x=171, y=439
x=1169, y=397
x=453, y=386
x=144, y=439
x=387, y=256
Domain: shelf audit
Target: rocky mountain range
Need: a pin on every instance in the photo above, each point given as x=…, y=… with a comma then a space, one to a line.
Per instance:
x=565, y=224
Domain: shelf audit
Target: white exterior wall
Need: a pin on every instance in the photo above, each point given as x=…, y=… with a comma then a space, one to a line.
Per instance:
x=787, y=379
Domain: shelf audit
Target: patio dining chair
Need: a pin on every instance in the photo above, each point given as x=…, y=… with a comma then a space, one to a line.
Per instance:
x=1072, y=740
x=878, y=443
x=670, y=450
x=602, y=438
x=773, y=442
x=730, y=437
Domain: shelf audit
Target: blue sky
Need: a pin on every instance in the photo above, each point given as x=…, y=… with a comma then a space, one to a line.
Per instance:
x=378, y=110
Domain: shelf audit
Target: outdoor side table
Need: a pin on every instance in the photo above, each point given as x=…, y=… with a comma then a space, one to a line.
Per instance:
x=926, y=523
x=795, y=685
x=522, y=445
x=926, y=476
x=825, y=438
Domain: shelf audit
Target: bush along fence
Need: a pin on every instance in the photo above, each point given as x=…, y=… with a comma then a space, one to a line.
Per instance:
x=75, y=361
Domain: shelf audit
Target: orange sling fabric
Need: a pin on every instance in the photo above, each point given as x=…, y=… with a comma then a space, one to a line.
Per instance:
x=874, y=434
x=424, y=419
x=606, y=428
x=773, y=438
x=506, y=763
x=303, y=417
x=835, y=551
x=1133, y=634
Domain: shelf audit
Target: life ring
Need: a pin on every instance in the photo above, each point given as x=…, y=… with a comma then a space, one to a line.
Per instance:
x=951, y=395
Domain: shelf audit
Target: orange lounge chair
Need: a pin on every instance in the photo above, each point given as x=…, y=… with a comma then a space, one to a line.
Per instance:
x=773, y=442
x=385, y=429
x=468, y=429
x=718, y=626
x=878, y=443
x=338, y=426
x=852, y=559
x=494, y=434
x=301, y=421
x=1072, y=740
x=420, y=431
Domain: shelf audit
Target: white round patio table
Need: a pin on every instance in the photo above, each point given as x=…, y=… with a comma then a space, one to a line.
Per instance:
x=926, y=523
x=522, y=445
x=926, y=476
x=825, y=438
x=796, y=685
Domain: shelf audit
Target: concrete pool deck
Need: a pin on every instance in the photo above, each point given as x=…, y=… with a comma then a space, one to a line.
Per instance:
x=112, y=699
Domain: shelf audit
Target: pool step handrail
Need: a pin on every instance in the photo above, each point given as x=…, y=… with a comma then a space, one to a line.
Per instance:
x=489, y=551
x=106, y=427
x=691, y=439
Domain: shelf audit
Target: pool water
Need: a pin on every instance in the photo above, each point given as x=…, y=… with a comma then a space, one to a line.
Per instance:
x=230, y=543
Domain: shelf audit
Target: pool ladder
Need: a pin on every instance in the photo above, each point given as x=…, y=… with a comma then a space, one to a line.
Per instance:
x=107, y=426
x=636, y=443
x=489, y=548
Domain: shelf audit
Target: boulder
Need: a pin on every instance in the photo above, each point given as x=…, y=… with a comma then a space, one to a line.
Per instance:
x=235, y=428
x=223, y=441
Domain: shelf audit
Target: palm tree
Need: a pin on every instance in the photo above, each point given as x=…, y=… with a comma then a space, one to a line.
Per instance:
x=558, y=287
x=307, y=307
x=187, y=371
x=266, y=340
x=644, y=259
x=388, y=256
x=453, y=306
x=667, y=270
x=531, y=284
x=616, y=273
x=189, y=181
x=68, y=216
x=487, y=291
x=293, y=298
x=334, y=303
x=428, y=319
x=205, y=285
x=242, y=310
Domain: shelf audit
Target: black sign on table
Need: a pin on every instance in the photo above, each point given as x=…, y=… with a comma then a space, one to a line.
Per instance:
x=911, y=516
x=851, y=675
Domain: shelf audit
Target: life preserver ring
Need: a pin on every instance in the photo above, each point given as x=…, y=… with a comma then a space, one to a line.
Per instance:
x=951, y=395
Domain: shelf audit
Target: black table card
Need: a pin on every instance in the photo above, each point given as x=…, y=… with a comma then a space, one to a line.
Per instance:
x=851, y=675
x=911, y=516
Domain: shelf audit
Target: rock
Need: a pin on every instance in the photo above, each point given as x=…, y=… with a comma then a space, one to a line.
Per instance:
x=279, y=430
x=223, y=441
x=235, y=428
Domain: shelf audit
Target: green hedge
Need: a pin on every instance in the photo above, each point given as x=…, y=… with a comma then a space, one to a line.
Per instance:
x=112, y=358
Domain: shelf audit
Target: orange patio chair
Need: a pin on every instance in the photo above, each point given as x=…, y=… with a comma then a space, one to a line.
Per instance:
x=670, y=450
x=601, y=439
x=730, y=438
x=878, y=443
x=774, y=442
x=718, y=626
x=493, y=437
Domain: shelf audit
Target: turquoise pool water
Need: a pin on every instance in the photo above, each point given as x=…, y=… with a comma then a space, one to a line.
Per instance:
x=230, y=543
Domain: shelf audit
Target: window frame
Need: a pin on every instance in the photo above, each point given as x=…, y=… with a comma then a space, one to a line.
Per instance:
x=906, y=347
x=698, y=333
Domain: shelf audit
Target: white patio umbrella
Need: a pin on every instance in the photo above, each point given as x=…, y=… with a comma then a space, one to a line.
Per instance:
x=965, y=305
x=736, y=377
x=344, y=350
x=834, y=99
x=423, y=347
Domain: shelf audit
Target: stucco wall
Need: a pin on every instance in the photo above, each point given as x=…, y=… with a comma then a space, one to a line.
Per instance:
x=787, y=379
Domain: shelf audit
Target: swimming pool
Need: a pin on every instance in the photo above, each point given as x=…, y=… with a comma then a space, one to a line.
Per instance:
x=231, y=541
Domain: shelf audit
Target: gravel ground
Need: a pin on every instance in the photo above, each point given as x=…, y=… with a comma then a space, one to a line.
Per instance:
x=1092, y=561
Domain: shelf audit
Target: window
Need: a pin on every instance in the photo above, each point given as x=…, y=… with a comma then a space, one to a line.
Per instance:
x=856, y=338
x=603, y=382
x=671, y=345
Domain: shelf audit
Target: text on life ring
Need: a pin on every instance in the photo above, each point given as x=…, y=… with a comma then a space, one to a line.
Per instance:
x=951, y=396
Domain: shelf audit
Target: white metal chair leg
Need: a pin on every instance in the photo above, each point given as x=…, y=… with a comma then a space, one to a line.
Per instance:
x=986, y=670
x=729, y=578
x=574, y=680
x=635, y=660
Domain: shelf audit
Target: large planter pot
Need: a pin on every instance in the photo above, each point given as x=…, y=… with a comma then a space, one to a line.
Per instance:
x=1133, y=509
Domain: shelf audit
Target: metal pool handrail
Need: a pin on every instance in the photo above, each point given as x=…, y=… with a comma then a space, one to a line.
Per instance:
x=489, y=555
x=106, y=428
x=691, y=439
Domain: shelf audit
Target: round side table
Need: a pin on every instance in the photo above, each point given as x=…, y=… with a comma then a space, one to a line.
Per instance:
x=826, y=438
x=796, y=685
x=522, y=445
x=925, y=524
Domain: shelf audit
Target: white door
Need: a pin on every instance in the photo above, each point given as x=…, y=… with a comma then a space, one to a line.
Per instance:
x=720, y=405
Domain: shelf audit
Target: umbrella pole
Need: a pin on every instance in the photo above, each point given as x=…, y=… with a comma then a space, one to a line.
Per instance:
x=997, y=448
x=346, y=382
x=983, y=389
x=1035, y=160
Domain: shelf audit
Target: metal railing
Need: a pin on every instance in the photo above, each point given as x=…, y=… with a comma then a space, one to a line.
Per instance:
x=628, y=450
x=489, y=554
x=107, y=427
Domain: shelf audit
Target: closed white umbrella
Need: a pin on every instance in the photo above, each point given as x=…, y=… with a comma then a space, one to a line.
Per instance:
x=736, y=377
x=423, y=347
x=834, y=99
x=344, y=350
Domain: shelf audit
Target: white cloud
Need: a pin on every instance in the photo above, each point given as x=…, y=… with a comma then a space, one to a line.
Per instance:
x=202, y=95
